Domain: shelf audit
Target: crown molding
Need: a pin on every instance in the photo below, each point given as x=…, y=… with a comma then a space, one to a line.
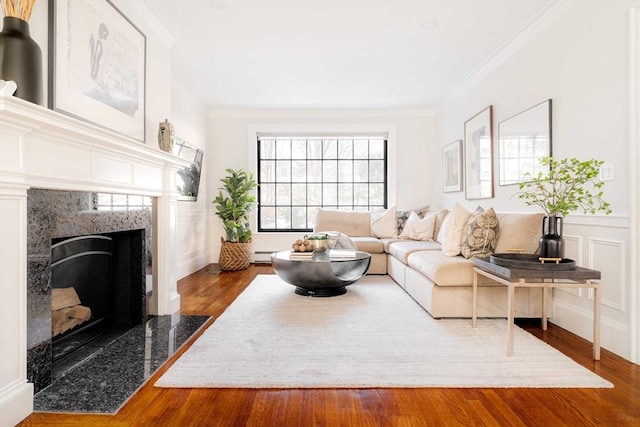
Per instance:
x=162, y=30
x=511, y=46
x=319, y=113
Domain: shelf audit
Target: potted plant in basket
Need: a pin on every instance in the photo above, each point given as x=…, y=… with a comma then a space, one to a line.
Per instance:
x=569, y=185
x=233, y=207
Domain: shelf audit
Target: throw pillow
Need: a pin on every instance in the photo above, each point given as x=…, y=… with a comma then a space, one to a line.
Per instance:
x=451, y=230
x=480, y=234
x=418, y=228
x=403, y=216
x=384, y=224
x=519, y=232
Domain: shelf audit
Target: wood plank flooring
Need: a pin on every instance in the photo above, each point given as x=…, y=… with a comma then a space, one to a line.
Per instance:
x=210, y=293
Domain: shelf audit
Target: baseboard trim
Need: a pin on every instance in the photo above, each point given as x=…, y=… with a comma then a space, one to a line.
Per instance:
x=191, y=263
x=614, y=336
x=16, y=404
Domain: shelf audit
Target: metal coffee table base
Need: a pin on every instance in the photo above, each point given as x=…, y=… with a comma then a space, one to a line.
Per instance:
x=320, y=276
x=330, y=292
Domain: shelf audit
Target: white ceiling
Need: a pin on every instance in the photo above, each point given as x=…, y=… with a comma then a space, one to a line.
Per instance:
x=318, y=54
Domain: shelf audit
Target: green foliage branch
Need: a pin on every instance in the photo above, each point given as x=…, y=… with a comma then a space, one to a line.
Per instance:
x=234, y=205
x=569, y=185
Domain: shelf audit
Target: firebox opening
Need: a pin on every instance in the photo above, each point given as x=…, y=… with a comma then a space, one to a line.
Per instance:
x=98, y=287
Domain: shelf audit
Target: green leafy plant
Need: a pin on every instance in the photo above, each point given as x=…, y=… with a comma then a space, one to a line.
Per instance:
x=569, y=185
x=234, y=205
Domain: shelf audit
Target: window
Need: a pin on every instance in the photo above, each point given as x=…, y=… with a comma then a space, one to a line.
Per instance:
x=120, y=202
x=299, y=174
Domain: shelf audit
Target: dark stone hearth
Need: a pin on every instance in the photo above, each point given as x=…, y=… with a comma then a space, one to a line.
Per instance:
x=102, y=376
x=53, y=214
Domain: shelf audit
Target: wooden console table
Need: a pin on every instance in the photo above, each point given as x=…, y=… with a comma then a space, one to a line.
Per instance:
x=514, y=278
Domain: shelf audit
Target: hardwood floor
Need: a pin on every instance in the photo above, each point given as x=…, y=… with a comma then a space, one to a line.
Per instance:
x=210, y=293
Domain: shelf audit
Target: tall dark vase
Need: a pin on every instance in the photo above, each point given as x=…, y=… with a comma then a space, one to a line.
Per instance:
x=551, y=242
x=21, y=59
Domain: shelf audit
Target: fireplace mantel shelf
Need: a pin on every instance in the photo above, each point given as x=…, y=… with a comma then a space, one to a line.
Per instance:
x=37, y=143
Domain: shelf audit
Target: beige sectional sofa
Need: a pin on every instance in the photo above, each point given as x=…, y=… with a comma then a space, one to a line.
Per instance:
x=441, y=284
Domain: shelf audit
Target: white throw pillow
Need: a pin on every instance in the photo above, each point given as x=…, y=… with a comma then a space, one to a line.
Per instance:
x=451, y=231
x=417, y=228
x=384, y=224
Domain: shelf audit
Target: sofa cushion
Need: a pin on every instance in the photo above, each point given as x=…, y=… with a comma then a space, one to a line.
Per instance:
x=451, y=231
x=384, y=224
x=519, y=231
x=441, y=269
x=351, y=223
x=480, y=234
x=369, y=244
x=403, y=248
x=418, y=228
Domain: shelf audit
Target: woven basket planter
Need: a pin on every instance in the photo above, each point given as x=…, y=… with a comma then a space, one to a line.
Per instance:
x=234, y=256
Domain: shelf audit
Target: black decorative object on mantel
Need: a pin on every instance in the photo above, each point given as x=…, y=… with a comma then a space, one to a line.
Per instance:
x=551, y=242
x=21, y=59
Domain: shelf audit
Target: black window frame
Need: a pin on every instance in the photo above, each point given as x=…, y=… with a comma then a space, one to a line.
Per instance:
x=353, y=159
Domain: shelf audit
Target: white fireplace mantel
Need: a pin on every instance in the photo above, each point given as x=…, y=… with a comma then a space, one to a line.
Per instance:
x=42, y=148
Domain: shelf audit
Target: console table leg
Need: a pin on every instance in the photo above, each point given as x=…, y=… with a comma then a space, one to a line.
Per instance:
x=596, y=323
x=511, y=314
x=545, y=301
x=474, y=300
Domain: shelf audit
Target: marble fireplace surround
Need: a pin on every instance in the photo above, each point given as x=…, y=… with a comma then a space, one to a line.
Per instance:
x=41, y=148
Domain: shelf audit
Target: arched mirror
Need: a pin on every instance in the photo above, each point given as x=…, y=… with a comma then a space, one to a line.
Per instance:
x=522, y=141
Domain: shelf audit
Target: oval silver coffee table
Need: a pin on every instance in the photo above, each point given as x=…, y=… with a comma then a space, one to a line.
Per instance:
x=320, y=275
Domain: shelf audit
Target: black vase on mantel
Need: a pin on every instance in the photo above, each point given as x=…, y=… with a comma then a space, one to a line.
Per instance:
x=21, y=59
x=551, y=242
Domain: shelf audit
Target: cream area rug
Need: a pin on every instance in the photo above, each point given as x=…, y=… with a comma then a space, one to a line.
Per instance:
x=374, y=336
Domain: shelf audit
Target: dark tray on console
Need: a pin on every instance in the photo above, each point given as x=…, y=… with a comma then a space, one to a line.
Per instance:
x=531, y=262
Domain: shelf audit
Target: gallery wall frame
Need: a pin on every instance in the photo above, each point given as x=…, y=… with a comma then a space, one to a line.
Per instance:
x=523, y=139
x=478, y=155
x=452, y=167
x=97, y=65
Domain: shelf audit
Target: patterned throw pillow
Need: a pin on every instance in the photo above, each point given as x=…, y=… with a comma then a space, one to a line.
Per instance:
x=480, y=234
x=419, y=229
x=403, y=216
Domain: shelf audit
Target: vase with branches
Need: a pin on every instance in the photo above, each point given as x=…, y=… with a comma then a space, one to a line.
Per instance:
x=568, y=185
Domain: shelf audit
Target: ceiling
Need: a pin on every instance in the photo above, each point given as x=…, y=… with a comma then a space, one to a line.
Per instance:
x=321, y=54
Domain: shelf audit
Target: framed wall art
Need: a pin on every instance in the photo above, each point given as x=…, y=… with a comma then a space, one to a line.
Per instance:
x=478, y=155
x=452, y=167
x=97, y=62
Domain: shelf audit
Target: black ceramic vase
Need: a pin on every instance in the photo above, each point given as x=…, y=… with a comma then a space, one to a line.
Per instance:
x=21, y=59
x=551, y=242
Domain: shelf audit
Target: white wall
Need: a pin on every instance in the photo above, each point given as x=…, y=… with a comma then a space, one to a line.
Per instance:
x=189, y=117
x=232, y=139
x=580, y=59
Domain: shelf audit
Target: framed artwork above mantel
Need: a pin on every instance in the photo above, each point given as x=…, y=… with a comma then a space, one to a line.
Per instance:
x=97, y=65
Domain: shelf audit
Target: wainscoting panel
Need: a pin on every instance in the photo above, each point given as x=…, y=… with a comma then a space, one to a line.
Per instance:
x=573, y=250
x=191, y=239
x=600, y=243
x=607, y=256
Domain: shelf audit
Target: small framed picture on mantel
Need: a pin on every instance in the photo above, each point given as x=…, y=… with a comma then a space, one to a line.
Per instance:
x=97, y=66
x=452, y=167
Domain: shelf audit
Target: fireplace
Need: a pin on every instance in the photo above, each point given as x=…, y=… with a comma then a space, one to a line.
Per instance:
x=43, y=149
x=99, y=264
